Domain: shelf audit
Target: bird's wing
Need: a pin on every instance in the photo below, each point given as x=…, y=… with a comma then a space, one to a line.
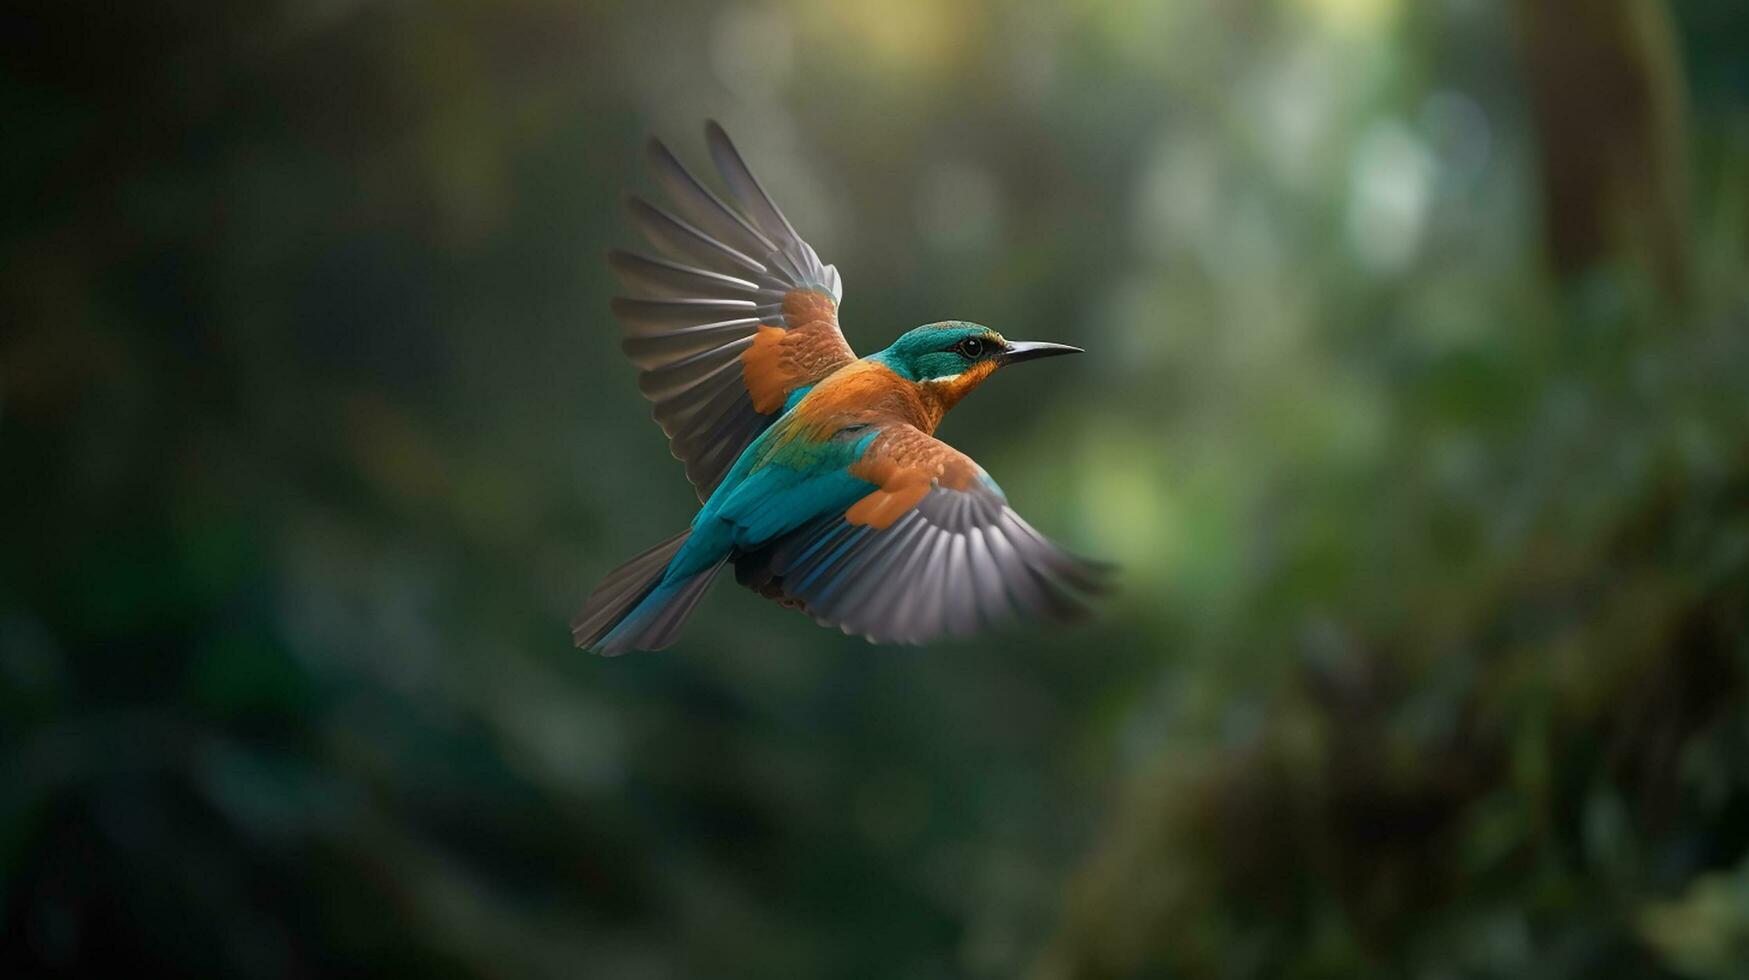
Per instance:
x=932, y=549
x=736, y=314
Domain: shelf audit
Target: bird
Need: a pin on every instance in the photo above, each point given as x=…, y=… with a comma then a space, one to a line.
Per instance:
x=820, y=479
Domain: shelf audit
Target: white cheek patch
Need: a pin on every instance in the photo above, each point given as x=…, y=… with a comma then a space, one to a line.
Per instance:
x=943, y=379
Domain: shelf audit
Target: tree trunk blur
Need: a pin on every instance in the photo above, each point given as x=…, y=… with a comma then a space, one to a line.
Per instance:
x=1606, y=90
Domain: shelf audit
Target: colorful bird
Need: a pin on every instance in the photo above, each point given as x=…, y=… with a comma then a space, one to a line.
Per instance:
x=822, y=481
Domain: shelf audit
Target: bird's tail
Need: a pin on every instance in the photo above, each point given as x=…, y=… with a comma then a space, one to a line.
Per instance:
x=636, y=607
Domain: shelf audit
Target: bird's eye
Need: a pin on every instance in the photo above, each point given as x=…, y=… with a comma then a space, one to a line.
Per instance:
x=971, y=347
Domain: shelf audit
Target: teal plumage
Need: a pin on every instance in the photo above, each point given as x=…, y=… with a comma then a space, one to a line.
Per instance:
x=821, y=481
x=768, y=493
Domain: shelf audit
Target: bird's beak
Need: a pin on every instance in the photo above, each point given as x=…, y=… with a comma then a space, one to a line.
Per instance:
x=1028, y=350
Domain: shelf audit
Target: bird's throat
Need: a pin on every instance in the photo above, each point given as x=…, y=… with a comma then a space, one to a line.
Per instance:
x=940, y=394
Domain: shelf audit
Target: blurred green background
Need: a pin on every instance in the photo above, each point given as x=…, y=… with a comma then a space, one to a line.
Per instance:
x=1416, y=412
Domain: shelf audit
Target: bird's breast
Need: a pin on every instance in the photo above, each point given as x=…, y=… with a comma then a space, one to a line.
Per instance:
x=868, y=392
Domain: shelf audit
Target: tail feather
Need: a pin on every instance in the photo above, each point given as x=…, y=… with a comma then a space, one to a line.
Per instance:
x=621, y=591
x=635, y=608
x=655, y=622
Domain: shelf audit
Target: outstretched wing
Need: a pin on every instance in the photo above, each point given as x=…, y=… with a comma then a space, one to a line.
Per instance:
x=735, y=315
x=933, y=549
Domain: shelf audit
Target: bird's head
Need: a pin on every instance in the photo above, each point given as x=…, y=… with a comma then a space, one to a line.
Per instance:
x=953, y=357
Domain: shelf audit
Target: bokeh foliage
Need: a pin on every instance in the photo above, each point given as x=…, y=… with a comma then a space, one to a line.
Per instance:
x=1414, y=411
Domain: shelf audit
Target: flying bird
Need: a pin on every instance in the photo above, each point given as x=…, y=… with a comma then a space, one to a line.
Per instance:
x=821, y=479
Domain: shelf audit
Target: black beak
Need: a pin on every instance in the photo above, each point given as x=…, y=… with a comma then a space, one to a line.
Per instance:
x=1029, y=350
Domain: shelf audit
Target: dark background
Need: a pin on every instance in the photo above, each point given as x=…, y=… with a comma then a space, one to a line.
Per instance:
x=1414, y=410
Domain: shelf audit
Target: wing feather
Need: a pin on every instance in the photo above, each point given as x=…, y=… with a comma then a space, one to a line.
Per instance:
x=957, y=562
x=664, y=279
x=691, y=316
